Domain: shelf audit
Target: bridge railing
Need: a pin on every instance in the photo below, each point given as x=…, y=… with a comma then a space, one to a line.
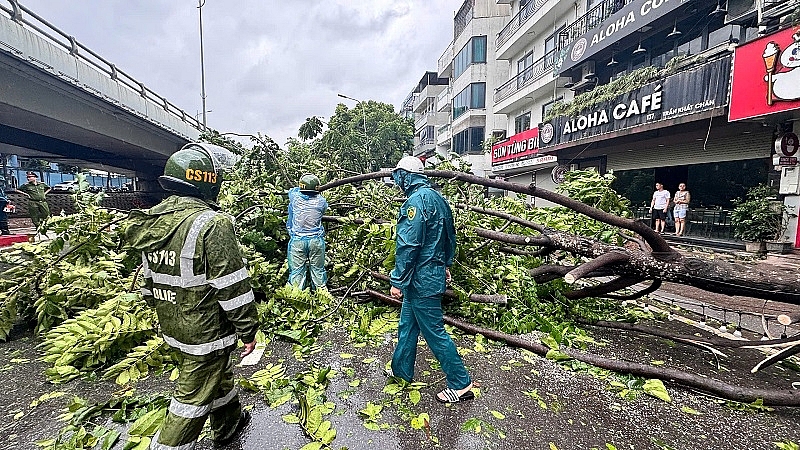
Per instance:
x=19, y=14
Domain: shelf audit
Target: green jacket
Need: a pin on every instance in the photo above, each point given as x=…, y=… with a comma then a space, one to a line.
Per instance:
x=194, y=275
x=36, y=191
x=426, y=240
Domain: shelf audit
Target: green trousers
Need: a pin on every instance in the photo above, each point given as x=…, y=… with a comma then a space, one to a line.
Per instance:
x=424, y=315
x=204, y=389
x=39, y=212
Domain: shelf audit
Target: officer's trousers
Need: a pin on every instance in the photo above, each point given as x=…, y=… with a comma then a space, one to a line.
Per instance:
x=307, y=254
x=424, y=315
x=203, y=389
x=39, y=212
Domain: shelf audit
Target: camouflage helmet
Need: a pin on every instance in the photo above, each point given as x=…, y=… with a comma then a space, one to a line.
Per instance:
x=308, y=184
x=196, y=170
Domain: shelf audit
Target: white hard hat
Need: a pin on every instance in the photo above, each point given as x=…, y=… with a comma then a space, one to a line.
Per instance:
x=410, y=164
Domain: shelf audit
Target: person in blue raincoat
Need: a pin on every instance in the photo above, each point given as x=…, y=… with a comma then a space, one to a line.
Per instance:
x=424, y=251
x=306, y=252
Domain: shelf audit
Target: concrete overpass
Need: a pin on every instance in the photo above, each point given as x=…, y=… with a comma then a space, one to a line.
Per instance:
x=61, y=102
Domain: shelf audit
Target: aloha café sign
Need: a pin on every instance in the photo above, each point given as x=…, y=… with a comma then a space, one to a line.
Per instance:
x=645, y=104
x=631, y=17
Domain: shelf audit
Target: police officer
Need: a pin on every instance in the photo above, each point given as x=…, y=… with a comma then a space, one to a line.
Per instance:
x=195, y=277
x=424, y=251
x=37, y=204
x=306, y=252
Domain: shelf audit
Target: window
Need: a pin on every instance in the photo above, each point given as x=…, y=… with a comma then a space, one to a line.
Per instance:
x=550, y=43
x=522, y=123
x=524, y=69
x=469, y=141
x=472, y=97
x=426, y=135
x=722, y=35
x=472, y=53
x=547, y=106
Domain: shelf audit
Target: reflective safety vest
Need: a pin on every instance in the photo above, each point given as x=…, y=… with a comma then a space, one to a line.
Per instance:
x=194, y=276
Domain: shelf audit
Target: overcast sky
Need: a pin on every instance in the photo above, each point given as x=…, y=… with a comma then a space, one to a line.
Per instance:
x=269, y=64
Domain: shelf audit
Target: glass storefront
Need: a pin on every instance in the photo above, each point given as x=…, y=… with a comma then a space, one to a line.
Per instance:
x=713, y=187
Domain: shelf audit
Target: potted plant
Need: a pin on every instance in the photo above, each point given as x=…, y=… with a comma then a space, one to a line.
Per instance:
x=757, y=218
x=779, y=244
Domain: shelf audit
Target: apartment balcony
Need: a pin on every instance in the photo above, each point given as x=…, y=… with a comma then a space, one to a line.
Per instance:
x=435, y=119
x=541, y=69
x=443, y=102
x=425, y=146
x=533, y=21
x=445, y=66
x=444, y=136
x=427, y=97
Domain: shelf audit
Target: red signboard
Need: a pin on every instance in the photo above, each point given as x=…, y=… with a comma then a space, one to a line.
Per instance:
x=521, y=145
x=766, y=76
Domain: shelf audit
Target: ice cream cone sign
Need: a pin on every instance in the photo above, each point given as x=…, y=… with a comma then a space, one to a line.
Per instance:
x=783, y=84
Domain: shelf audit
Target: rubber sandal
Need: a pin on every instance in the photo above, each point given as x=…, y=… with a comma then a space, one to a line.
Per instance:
x=452, y=396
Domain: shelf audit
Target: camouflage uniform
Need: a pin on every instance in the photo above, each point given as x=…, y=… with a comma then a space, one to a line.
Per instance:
x=196, y=279
x=37, y=204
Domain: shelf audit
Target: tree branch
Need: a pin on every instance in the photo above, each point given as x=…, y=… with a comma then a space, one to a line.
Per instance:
x=705, y=384
x=607, y=259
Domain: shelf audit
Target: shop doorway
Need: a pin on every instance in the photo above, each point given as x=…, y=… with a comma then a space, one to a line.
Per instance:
x=671, y=177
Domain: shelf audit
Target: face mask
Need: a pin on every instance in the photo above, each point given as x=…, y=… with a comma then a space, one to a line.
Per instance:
x=398, y=178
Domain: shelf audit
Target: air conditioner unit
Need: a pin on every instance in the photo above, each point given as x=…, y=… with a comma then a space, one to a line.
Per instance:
x=741, y=11
x=499, y=135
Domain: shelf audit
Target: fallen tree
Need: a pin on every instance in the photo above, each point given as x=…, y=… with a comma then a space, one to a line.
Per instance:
x=653, y=261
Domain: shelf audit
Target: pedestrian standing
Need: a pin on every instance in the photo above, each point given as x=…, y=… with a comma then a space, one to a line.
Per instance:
x=36, y=192
x=3, y=203
x=659, y=206
x=196, y=279
x=424, y=251
x=681, y=200
x=306, y=252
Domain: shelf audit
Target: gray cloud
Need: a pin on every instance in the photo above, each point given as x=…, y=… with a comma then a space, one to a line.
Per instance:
x=269, y=64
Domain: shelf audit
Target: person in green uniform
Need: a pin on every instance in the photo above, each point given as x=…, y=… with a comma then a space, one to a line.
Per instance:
x=195, y=277
x=37, y=200
x=424, y=250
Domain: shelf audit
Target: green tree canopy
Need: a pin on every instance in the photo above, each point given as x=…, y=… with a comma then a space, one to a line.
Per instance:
x=365, y=138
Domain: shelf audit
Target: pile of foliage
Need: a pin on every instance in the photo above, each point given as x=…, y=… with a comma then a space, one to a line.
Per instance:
x=80, y=290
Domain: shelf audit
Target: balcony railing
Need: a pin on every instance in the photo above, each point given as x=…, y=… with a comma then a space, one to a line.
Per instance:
x=589, y=21
x=522, y=16
x=541, y=66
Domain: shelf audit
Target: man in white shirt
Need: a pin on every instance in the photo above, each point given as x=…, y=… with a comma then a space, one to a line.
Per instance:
x=659, y=207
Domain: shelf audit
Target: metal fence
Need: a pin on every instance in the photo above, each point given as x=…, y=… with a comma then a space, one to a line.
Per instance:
x=20, y=14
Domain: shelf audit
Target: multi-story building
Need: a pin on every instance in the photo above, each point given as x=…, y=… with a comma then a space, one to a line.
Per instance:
x=657, y=103
x=457, y=116
x=421, y=106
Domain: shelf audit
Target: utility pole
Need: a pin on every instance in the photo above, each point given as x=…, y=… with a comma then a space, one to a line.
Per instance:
x=363, y=110
x=202, y=3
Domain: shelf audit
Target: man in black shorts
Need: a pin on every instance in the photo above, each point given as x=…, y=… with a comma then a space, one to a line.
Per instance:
x=659, y=207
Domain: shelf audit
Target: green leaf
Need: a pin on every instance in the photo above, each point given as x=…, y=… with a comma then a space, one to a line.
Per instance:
x=148, y=423
x=656, y=389
x=689, y=410
x=414, y=396
x=497, y=415
x=290, y=418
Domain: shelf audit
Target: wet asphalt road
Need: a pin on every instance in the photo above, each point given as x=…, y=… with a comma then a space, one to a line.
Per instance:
x=577, y=410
